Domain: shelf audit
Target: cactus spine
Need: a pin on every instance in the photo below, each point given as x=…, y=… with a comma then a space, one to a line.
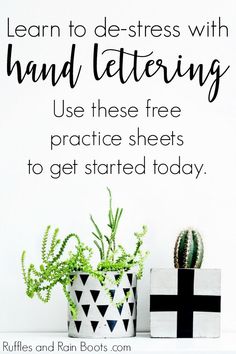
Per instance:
x=188, y=251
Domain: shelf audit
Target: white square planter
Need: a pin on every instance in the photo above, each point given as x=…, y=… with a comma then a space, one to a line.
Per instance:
x=185, y=303
x=97, y=316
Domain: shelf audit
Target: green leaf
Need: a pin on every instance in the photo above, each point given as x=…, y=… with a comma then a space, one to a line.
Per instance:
x=96, y=227
x=99, y=248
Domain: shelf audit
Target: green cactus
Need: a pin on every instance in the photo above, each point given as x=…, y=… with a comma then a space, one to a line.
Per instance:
x=188, y=251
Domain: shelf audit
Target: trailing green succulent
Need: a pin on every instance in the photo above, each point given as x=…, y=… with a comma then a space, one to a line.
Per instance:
x=189, y=250
x=53, y=270
x=56, y=269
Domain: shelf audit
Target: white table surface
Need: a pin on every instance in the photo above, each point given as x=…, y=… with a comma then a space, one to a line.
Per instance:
x=60, y=343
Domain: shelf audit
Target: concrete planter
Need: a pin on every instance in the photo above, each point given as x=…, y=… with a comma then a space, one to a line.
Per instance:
x=185, y=303
x=97, y=316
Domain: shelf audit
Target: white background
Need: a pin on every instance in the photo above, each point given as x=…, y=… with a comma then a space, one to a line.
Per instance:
x=165, y=203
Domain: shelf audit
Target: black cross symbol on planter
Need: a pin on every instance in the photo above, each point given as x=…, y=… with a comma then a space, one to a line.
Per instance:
x=185, y=303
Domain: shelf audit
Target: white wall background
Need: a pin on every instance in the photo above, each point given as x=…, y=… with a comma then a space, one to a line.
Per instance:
x=165, y=204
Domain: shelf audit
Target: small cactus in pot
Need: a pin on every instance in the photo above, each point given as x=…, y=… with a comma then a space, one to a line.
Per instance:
x=191, y=293
x=188, y=252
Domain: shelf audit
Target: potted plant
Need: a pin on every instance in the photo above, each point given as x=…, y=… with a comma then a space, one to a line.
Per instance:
x=102, y=300
x=185, y=302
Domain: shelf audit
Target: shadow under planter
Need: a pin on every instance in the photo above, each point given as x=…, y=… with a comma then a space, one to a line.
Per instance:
x=185, y=303
x=99, y=312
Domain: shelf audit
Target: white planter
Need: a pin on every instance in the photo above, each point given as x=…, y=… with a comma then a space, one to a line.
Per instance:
x=97, y=316
x=185, y=303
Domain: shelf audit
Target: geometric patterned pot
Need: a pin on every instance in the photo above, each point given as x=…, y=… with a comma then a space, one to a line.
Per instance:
x=185, y=303
x=97, y=316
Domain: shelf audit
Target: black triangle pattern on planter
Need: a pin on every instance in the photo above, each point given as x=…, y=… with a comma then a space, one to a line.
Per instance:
x=102, y=309
x=117, y=276
x=126, y=323
x=78, y=295
x=111, y=324
x=94, y=294
x=101, y=281
x=130, y=277
x=135, y=292
x=86, y=309
x=78, y=325
x=112, y=293
x=120, y=308
x=94, y=325
x=84, y=278
x=131, y=307
x=126, y=290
